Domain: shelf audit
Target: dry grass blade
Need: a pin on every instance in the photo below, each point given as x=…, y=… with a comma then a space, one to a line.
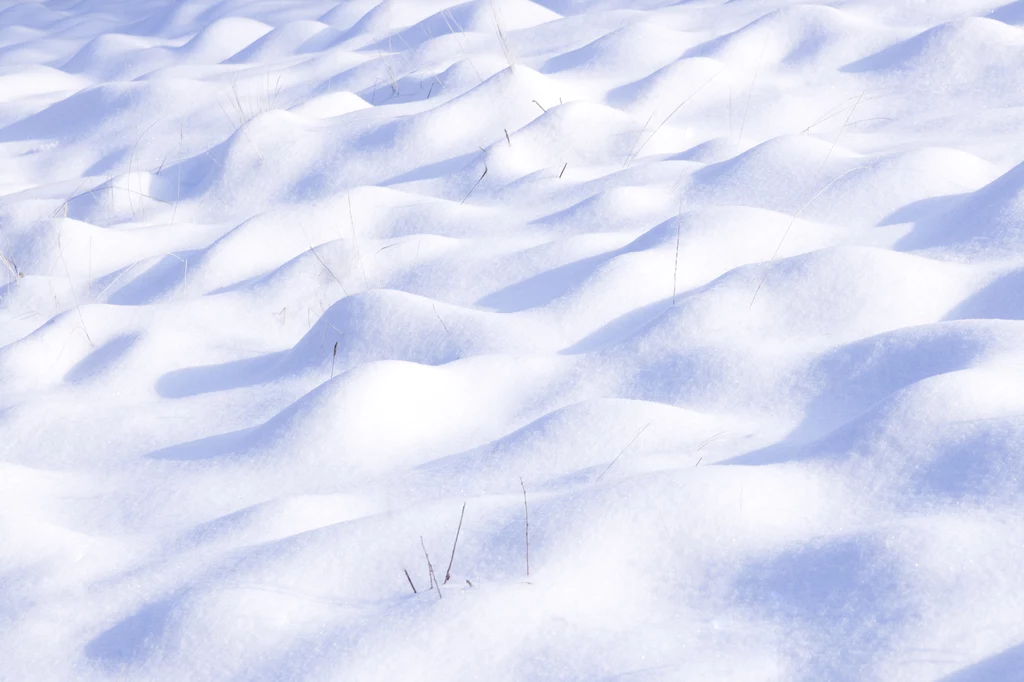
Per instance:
x=750, y=93
x=448, y=573
x=482, y=176
x=450, y=19
x=74, y=296
x=675, y=268
x=506, y=50
x=10, y=265
x=835, y=142
x=409, y=578
x=629, y=154
x=526, y=505
x=329, y=271
x=635, y=438
x=792, y=221
x=673, y=113
x=430, y=569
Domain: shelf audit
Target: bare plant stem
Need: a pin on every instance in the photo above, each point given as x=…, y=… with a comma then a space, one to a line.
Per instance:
x=526, y=506
x=355, y=243
x=667, y=118
x=430, y=569
x=329, y=271
x=482, y=176
x=11, y=267
x=790, y=226
x=71, y=284
x=451, y=341
x=409, y=578
x=637, y=436
x=629, y=156
x=838, y=135
x=448, y=573
x=675, y=268
x=750, y=93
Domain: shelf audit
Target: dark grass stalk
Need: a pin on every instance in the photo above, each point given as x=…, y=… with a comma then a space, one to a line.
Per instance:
x=482, y=176
x=448, y=573
x=409, y=578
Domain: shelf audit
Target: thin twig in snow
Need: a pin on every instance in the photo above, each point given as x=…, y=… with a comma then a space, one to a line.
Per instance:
x=74, y=296
x=448, y=573
x=750, y=93
x=667, y=118
x=709, y=440
x=836, y=141
x=639, y=433
x=482, y=176
x=629, y=155
x=526, y=506
x=796, y=215
x=409, y=578
x=329, y=271
x=430, y=569
x=445, y=327
x=675, y=269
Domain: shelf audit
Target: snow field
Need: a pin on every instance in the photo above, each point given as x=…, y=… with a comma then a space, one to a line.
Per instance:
x=735, y=288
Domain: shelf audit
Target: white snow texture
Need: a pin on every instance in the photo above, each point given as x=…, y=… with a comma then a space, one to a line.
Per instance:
x=726, y=296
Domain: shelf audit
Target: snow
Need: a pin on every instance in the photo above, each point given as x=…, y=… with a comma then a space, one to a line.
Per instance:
x=731, y=290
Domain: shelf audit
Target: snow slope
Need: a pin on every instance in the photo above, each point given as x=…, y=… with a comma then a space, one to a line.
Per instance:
x=731, y=290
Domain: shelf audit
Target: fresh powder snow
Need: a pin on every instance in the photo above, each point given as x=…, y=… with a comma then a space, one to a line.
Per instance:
x=636, y=340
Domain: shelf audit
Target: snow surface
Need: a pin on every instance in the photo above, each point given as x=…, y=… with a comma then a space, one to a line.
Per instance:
x=734, y=287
